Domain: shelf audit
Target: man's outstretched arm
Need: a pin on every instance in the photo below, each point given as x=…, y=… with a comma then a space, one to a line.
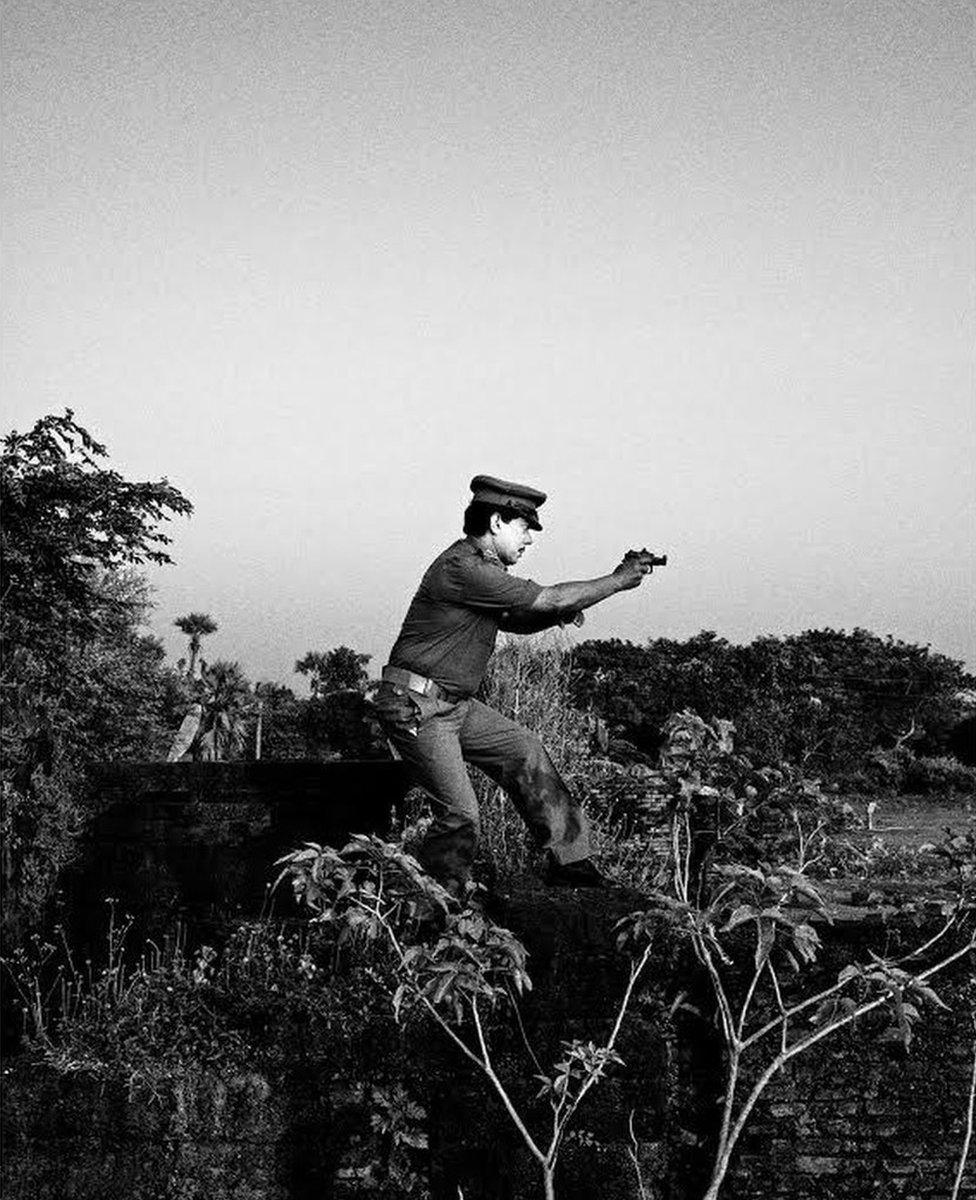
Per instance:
x=567, y=598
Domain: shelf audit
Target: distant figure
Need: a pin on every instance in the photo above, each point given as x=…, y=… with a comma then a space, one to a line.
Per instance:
x=425, y=700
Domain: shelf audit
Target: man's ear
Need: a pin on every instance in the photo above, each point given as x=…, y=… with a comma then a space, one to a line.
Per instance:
x=495, y=522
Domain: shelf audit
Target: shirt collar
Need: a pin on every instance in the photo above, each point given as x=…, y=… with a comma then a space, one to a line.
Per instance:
x=488, y=555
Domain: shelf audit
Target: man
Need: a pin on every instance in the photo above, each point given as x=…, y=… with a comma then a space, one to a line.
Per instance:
x=425, y=701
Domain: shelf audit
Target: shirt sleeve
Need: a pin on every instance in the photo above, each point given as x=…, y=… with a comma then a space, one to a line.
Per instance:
x=475, y=583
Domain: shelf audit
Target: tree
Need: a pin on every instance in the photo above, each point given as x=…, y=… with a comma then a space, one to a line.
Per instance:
x=67, y=520
x=752, y=928
x=225, y=695
x=341, y=669
x=196, y=626
x=80, y=677
x=828, y=700
x=282, y=722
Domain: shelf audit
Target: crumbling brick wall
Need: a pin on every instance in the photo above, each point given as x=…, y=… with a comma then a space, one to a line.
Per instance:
x=856, y=1118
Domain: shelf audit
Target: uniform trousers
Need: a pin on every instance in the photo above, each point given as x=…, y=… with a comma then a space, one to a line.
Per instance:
x=445, y=736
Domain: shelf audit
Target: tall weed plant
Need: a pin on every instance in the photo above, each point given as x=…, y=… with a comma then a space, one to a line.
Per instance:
x=530, y=681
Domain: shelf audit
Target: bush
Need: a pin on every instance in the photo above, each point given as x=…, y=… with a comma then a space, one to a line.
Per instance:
x=824, y=700
x=901, y=771
x=938, y=773
x=145, y=1022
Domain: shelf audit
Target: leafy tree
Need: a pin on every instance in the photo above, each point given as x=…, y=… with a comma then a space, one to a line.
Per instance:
x=80, y=677
x=282, y=717
x=225, y=695
x=335, y=719
x=115, y=700
x=67, y=520
x=341, y=669
x=196, y=626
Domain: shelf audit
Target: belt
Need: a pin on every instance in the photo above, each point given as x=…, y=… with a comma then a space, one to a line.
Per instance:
x=418, y=683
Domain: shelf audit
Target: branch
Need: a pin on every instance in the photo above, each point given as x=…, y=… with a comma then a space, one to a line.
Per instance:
x=967, y=1140
x=836, y=987
x=704, y=956
x=563, y=1117
x=781, y=1059
x=752, y=986
x=489, y=1070
x=525, y=1039
x=632, y=1154
x=920, y=950
x=484, y=1062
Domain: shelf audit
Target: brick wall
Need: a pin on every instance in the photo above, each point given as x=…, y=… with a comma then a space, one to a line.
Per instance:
x=854, y=1120
x=199, y=840
x=861, y=1119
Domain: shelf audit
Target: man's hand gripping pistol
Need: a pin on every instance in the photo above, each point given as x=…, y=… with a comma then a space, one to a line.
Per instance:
x=647, y=558
x=636, y=564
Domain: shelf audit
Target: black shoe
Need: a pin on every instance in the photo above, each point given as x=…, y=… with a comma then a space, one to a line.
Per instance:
x=583, y=873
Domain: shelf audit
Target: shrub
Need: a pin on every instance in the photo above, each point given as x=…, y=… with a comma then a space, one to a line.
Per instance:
x=938, y=773
x=824, y=699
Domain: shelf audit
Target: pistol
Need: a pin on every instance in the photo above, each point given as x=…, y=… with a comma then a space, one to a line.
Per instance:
x=648, y=557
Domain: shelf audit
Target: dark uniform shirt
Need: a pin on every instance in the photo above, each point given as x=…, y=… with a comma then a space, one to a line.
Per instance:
x=450, y=628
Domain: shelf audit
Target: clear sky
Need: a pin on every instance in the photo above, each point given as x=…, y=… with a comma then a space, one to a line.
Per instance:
x=702, y=271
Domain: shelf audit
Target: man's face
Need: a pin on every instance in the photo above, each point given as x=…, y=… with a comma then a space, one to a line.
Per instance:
x=510, y=538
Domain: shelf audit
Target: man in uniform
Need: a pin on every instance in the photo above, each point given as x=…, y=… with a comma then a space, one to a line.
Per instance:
x=426, y=698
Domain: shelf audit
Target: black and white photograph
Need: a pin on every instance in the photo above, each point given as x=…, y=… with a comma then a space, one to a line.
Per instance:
x=488, y=600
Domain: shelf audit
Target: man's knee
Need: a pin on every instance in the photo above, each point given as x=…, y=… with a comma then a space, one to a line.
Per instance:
x=533, y=765
x=527, y=751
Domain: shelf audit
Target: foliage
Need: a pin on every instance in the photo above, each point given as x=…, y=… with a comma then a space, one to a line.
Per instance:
x=38, y=832
x=824, y=699
x=196, y=626
x=113, y=700
x=282, y=735
x=80, y=677
x=398, y=1120
x=334, y=722
x=752, y=927
x=67, y=520
x=528, y=681
x=335, y=670
x=451, y=965
x=147, y=1022
x=940, y=773
x=271, y=999
x=323, y=729
x=224, y=694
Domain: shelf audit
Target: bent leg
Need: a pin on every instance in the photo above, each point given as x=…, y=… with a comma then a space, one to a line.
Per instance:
x=516, y=760
x=434, y=756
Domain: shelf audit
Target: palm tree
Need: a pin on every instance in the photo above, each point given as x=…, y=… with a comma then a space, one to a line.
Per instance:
x=196, y=626
x=226, y=699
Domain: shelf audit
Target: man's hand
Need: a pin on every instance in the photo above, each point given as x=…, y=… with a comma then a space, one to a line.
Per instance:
x=573, y=618
x=631, y=571
x=570, y=598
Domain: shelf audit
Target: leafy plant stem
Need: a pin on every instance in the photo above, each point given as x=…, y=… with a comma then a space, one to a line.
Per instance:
x=967, y=1140
x=632, y=1154
x=731, y=1130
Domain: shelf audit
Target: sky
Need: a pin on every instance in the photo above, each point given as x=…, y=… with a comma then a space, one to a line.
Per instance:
x=703, y=272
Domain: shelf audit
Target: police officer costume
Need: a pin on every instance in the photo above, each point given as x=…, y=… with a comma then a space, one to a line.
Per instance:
x=427, y=707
